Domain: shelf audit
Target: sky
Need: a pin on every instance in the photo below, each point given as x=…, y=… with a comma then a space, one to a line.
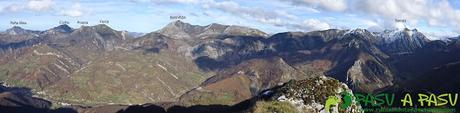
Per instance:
x=435, y=18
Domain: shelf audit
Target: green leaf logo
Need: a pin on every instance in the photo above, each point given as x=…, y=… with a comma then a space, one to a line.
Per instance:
x=334, y=100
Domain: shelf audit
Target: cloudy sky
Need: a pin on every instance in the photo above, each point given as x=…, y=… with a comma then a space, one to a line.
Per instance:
x=436, y=18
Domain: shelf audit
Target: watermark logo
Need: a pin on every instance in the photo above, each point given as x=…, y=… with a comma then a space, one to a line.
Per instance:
x=420, y=102
x=331, y=100
x=389, y=102
x=345, y=100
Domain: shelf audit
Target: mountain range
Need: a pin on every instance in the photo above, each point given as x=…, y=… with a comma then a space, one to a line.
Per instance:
x=189, y=65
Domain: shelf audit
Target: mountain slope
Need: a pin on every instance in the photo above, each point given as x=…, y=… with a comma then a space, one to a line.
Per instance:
x=194, y=65
x=242, y=82
x=79, y=66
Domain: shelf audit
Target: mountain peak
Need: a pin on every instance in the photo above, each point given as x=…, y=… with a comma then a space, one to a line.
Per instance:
x=96, y=28
x=177, y=23
x=180, y=30
x=359, y=31
x=403, y=41
x=16, y=27
x=64, y=28
x=16, y=30
x=216, y=26
x=246, y=31
x=102, y=26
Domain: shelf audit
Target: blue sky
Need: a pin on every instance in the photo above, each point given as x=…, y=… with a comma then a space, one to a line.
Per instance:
x=435, y=18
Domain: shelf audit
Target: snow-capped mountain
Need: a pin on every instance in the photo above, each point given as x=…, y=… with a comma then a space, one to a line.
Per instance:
x=401, y=41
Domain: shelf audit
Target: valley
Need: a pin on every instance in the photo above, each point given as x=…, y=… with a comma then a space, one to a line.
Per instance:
x=99, y=68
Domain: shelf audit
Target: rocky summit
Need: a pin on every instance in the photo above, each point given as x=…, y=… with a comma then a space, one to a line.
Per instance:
x=309, y=96
x=225, y=68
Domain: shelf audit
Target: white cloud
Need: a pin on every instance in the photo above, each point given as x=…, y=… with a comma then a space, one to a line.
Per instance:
x=310, y=10
x=292, y=14
x=439, y=35
x=372, y=25
x=32, y=5
x=74, y=11
x=314, y=24
x=276, y=21
x=331, y=5
x=13, y=8
x=435, y=13
x=272, y=17
x=167, y=1
x=334, y=5
x=286, y=14
x=276, y=17
x=40, y=5
x=139, y=0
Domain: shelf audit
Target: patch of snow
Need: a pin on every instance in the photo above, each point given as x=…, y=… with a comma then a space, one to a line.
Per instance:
x=84, y=67
x=269, y=92
x=167, y=86
x=65, y=65
x=123, y=48
x=151, y=99
x=61, y=68
x=164, y=68
x=48, y=53
x=282, y=98
x=240, y=72
x=65, y=104
x=119, y=65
